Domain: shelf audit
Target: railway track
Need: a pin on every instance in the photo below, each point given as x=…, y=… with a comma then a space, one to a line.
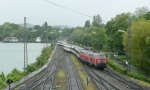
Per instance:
x=128, y=83
x=40, y=80
x=73, y=78
x=99, y=81
x=46, y=82
x=109, y=80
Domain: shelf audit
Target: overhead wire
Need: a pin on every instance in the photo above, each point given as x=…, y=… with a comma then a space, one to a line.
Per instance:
x=75, y=11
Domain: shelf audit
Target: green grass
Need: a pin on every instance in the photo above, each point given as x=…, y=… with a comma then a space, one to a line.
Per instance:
x=117, y=67
x=138, y=76
x=82, y=74
x=122, y=57
x=122, y=70
x=61, y=80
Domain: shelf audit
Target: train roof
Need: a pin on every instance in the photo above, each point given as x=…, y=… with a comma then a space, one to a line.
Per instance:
x=93, y=53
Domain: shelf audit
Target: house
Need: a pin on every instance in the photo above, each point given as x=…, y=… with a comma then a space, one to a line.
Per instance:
x=38, y=39
x=11, y=39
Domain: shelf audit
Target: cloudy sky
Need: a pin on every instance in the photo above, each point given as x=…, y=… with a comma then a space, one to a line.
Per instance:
x=39, y=11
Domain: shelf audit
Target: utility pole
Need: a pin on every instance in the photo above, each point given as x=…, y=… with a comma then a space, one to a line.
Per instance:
x=25, y=45
x=129, y=44
x=46, y=35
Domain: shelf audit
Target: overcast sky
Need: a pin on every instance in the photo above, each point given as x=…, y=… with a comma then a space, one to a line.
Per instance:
x=39, y=11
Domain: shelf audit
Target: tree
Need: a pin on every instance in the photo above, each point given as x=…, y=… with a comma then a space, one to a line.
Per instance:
x=98, y=38
x=2, y=81
x=141, y=11
x=15, y=75
x=2, y=76
x=112, y=27
x=97, y=21
x=87, y=24
x=31, y=68
x=140, y=32
x=147, y=16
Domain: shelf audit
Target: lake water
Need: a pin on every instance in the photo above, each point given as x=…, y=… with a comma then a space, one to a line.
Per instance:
x=12, y=55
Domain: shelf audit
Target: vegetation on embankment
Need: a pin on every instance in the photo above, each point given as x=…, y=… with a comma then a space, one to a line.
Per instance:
x=16, y=75
x=41, y=60
x=122, y=70
x=61, y=80
x=82, y=74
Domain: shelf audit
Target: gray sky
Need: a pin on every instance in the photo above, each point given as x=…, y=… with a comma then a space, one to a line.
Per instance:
x=39, y=11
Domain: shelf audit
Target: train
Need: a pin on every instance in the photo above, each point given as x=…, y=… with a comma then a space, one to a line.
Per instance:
x=97, y=60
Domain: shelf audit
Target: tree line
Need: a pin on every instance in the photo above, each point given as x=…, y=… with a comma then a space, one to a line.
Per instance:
x=106, y=37
x=44, y=31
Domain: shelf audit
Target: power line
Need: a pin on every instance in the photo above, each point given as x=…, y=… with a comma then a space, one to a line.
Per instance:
x=75, y=11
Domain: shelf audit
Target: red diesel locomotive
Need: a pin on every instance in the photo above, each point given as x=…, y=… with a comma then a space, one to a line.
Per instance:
x=98, y=60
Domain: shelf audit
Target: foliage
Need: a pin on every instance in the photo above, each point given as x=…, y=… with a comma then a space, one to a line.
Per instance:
x=45, y=32
x=41, y=60
x=141, y=11
x=2, y=81
x=138, y=76
x=31, y=68
x=87, y=24
x=91, y=37
x=9, y=29
x=122, y=70
x=97, y=21
x=98, y=37
x=67, y=32
x=15, y=75
x=147, y=16
x=117, y=67
x=120, y=22
x=140, y=55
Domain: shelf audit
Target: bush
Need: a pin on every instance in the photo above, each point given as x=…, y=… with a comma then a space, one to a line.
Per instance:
x=2, y=81
x=43, y=58
x=15, y=75
x=138, y=76
x=122, y=70
x=117, y=67
x=30, y=68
